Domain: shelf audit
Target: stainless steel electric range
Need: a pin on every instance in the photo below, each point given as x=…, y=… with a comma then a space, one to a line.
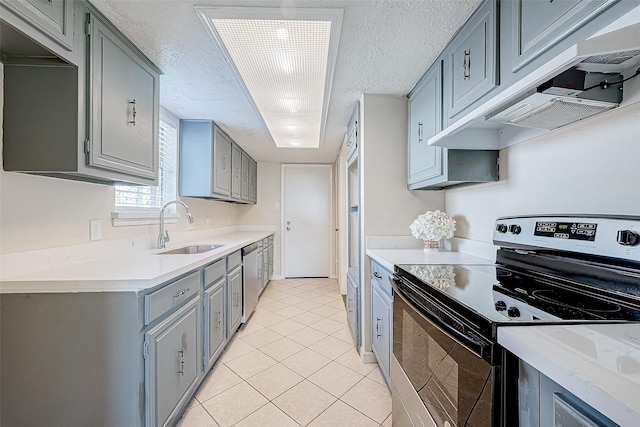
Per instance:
x=447, y=368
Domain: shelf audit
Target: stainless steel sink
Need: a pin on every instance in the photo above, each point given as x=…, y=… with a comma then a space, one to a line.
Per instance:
x=192, y=249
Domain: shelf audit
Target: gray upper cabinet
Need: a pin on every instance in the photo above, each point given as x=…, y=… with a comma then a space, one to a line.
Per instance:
x=113, y=83
x=124, y=95
x=222, y=163
x=48, y=22
x=471, y=61
x=537, y=26
x=212, y=165
x=236, y=172
x=253, y=181
x=244, y=193
x=425, y=120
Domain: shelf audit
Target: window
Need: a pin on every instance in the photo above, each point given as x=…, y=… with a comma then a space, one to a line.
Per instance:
x=135, y=203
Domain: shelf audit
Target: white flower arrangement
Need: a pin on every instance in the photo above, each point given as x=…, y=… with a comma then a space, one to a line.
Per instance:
x=438, y=276
x=434, y=225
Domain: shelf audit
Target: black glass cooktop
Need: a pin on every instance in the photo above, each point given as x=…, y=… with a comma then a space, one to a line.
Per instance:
x=498, y=294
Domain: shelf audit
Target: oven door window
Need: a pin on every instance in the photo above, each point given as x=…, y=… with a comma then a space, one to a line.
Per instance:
x=454, y=383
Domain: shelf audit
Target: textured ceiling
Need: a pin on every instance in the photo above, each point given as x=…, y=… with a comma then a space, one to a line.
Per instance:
x=385, y=47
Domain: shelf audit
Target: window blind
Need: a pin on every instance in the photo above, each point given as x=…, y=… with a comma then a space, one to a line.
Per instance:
x=134, y=197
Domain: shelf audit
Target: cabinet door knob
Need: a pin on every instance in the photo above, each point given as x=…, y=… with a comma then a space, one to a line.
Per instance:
x=377, y=275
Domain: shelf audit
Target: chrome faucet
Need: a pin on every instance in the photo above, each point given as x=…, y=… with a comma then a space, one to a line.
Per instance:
x=163, y=237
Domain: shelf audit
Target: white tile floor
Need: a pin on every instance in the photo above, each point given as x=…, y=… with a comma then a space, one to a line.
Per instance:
x=293, y=364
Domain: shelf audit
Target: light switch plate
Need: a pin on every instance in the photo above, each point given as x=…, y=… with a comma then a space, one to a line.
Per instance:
x=95, y=226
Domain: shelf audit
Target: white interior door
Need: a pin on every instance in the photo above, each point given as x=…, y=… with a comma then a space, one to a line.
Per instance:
x=307, y=220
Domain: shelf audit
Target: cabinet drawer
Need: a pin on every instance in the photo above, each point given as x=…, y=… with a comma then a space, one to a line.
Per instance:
x=234, y=260
x=174, y=294
x=213, y=272
x=381, y=276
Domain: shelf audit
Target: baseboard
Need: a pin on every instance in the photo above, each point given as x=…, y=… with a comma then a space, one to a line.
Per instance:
x=368, y=357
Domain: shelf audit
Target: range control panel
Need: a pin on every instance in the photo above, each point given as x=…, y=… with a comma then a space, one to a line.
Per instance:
x=566, y=230
x=617, y=237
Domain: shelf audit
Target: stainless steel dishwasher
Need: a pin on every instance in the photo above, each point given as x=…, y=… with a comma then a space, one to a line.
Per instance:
x=250, y=280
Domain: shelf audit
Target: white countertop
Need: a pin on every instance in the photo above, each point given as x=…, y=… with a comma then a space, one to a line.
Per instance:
x=389, y=257
x=133, y=271
x=600, y=364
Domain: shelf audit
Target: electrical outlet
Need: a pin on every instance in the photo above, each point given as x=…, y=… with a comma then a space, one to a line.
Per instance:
x=95, y=226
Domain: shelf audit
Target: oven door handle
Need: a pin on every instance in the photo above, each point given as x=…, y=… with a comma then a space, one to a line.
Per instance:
x=474, y=344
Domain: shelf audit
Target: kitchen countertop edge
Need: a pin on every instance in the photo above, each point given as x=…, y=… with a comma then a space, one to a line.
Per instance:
x=136, y=272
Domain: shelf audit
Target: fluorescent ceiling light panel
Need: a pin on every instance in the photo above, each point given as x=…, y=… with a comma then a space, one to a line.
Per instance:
x=284, y=59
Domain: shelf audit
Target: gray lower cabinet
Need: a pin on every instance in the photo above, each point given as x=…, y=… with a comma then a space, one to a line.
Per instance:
x=112, y=83
x=171, y=366
x=234, y=286
x=213, y=165
x=471, y=62
x=353, y=310
x=215, y=312
x=381, y=318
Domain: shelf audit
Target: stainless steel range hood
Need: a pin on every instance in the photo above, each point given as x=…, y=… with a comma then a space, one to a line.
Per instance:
x=571, y=96
x=530, y=106
x=592, y=86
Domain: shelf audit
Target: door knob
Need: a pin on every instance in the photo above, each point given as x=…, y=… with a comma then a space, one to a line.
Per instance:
x=288, y=222
x=288, y=228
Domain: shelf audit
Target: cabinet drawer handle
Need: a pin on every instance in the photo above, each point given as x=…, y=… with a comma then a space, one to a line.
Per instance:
x=377, y=275
x=219, y=313
x=466, y=64
x=224, y=163
x=133, y=112
x=182, y=292
x=378, y=335
x=420, y=132
x=181, y=361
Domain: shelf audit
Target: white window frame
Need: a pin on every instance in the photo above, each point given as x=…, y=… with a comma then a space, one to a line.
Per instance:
x=126, y=216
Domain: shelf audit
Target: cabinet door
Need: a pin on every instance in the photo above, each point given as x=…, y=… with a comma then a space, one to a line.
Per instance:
x=380, y=328
x=470, y=62
x=221, y=163
x=253, y=181
x=124, y=105
x=244, y=195
x=53, y=18
x=171, y=366
x=539, y=25
x=234, y=284
x=236, y=171
x=215, y=322
x=425, y=120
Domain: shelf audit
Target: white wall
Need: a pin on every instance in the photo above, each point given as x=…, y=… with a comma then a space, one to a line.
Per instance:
x=389, y=207
x=265, y=212
x=590, y=167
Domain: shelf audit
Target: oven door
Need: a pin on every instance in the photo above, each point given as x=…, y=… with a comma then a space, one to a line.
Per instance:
x=438, y=369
